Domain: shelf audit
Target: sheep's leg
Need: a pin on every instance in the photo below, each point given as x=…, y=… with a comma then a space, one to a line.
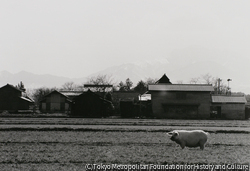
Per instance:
x=182, y=145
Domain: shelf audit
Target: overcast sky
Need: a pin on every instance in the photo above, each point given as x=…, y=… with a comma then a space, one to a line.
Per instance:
x=77, y=38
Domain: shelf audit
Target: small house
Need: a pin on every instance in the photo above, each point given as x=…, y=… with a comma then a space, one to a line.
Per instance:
x=228, y=107
x=13, y=99
x=55, y=102
x=90, y=105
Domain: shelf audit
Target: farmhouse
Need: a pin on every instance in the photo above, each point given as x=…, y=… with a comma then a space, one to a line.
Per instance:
x=90, y=105
x=228, y=107
x=55, y=102
x=13, y=99
x=180, y=101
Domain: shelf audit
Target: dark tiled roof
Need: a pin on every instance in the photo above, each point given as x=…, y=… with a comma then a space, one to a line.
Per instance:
x=228, y=99
x=181, y=87
x=71, y=93
x=9, y=85
x=55, y=91
x=27, y=99
x=163, y=79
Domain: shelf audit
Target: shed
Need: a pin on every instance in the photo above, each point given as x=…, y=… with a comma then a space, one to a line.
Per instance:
x=229, y=107
x=181, y=101
x=13, y=99
x=55, y=102
x=90, y=105
x=121, y=96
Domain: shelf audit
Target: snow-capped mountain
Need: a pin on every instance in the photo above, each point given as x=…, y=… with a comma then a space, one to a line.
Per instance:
x=182, y=66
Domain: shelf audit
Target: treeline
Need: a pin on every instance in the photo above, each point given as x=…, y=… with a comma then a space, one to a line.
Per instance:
x=128, y=85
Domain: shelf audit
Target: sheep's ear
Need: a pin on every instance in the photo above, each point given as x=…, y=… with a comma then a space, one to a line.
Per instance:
x=169, y=133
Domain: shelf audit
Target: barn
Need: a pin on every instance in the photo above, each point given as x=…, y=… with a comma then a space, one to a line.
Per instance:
x=180, y=101
x=90, y=105
x=13, y=99
x=229, y=107
x=55, y=102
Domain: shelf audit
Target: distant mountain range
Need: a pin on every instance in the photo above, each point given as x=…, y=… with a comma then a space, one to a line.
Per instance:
x=176, y=74
x=177, y=68
x=31, y=80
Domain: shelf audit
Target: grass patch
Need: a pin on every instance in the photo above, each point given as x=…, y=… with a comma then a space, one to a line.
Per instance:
x=58, y=146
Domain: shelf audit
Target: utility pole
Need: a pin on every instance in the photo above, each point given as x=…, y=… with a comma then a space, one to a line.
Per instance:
x=219, y=80
x=228, y=88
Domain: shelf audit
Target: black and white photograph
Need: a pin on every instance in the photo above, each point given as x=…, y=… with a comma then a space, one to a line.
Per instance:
x=124, y=85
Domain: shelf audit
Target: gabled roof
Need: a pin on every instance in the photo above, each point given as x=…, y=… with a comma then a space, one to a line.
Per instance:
x=181, y=87
x=89, y=92
x=71, y=93
x=228, y=99
x=163, y=79
x=55, y=91
x=15, y=88
x=27, y=99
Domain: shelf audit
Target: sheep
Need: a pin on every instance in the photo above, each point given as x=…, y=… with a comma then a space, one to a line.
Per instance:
x=194, y=138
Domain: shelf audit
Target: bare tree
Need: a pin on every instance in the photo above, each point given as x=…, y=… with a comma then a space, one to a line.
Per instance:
x=69, y=86
x=98, y=81
x=38, y=94
x=151, y=81
x=194, y=80
x=179, y=82
x=208, y=79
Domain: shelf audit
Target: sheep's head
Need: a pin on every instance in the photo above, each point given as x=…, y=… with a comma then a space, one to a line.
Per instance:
x=174, y=135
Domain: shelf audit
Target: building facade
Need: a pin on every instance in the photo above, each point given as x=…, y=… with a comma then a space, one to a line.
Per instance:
x=13, y=99
x=90, y=105
x=228, y=107
x=55, y=102
x=181, y=101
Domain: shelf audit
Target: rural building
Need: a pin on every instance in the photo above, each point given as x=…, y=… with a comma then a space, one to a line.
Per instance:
x=229, y=107
x=55, y=102
x=13, y=99
x=90, y=105
x=124, y=103
x=180, y=101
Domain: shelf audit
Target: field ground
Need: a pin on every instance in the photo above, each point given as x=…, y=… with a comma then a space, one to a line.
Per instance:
x=104, y=121
x=70, y=143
